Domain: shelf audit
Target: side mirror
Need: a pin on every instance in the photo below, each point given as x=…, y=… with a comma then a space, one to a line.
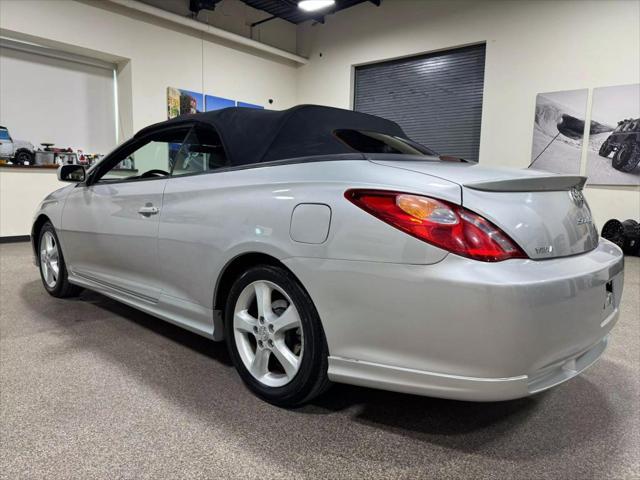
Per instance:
x=71, y=173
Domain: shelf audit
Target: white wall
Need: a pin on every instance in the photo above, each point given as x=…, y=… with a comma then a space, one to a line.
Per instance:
x=76, y=108
x=151, y=56
x=159, y=56
x=532, y=47
x=20, y=194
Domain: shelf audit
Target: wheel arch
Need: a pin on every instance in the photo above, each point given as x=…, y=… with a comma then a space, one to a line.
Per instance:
x=24, y=150
x=235, y=267
x=232, y=270
x=35, y=231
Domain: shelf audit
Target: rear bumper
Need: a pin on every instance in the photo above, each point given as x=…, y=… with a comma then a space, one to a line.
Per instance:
x=475, y=389
x=465, y=329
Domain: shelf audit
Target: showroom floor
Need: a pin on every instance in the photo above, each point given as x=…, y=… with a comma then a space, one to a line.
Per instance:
x=94, y=389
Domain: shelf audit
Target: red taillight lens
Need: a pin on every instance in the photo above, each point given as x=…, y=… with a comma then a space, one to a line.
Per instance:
x=439, y=223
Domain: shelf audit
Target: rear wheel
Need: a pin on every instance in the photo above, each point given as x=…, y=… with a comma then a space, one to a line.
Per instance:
x=53, y=270
x=627, y=157
x=275, y=338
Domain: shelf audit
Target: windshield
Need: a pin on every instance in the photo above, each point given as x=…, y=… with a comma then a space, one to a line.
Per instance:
x=374, y=142
x=4, y=134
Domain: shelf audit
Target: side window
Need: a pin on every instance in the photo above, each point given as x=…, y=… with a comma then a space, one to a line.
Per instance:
x=201, y=151
x=153, y=158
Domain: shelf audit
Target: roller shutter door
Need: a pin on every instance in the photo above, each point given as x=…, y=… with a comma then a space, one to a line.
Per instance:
x=436, y=98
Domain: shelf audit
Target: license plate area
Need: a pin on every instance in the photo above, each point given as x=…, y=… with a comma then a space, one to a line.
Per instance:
x=609, y=305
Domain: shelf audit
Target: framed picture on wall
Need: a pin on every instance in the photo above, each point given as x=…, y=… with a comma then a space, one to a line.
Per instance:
x=217, y=103
x=558, y=131
x=613, y=151
x=250, y=105
x=181, y=102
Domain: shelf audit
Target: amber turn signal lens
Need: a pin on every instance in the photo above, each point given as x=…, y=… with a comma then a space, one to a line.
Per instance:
x=419, y=207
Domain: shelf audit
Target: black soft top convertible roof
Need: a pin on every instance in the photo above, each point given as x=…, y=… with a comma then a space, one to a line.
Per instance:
x=253, y=135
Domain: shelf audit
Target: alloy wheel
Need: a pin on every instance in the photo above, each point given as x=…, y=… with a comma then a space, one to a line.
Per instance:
x=49, y=259
x=268, y=333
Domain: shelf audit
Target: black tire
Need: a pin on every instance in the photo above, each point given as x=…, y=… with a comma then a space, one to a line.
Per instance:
x=61, y=288
x=311, y=377
x=627, y=157
x=613, y=230
x=22, y=157
x=605, y=149
x=631, y=245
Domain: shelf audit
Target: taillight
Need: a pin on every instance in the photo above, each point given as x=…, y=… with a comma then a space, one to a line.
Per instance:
x=440, y=223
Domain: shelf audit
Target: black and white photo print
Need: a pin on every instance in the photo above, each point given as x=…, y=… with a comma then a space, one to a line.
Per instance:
x=558, y=131
x=613, y=152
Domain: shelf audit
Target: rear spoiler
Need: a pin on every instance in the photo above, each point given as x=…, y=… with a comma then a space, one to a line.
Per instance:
x=531, y=184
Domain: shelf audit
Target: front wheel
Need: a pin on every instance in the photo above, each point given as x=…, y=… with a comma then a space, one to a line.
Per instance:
x=605, y=149
x=275, y=338
x=627, y=157
x=53, y=270
x=23, y=157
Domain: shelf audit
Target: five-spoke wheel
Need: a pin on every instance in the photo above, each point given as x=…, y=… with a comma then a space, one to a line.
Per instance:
x=275, y=337
x=49, y=258
x=268, y=333
x=52, y=267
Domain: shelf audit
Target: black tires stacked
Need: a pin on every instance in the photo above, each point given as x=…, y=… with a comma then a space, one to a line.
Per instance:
x=625, y=234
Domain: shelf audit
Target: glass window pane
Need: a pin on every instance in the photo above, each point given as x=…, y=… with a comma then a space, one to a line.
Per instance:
x=375, y=142
x=201, y=151
x=153, y=159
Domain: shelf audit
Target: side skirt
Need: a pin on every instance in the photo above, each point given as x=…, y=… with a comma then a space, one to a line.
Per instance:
x=193, y=317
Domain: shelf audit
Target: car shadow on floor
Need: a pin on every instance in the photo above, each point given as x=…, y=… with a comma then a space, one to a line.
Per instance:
x=215, y=350
x=539, y=425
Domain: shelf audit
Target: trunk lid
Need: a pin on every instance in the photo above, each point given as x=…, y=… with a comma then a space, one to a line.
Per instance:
x=544, y=213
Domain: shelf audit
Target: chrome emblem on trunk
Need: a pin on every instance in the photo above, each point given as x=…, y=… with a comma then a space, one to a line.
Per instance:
x=577, y=197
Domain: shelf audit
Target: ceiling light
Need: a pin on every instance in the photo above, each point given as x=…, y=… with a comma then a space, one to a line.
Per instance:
x=313, y=5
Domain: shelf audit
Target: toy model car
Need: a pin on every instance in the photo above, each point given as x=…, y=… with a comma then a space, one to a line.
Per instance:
x=18, y=152
x=325, y=245
x=625, y=142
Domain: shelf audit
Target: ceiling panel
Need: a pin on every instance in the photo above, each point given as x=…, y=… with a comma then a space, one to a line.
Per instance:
x=288, y=9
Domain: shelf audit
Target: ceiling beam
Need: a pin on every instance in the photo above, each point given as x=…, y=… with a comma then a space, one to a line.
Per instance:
x=210, y=30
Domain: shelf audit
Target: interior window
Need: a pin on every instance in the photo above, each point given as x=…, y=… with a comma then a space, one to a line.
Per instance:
x=201, y=151
x=153, y=158
x=374, y=142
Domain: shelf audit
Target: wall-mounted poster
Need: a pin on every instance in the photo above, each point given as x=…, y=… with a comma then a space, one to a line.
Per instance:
x=180, y=102
x=217, y=103
x=613, y=152
x=558, y=130
x=250, y=105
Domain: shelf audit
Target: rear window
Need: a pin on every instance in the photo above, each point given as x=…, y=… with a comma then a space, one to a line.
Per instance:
x=374, y=142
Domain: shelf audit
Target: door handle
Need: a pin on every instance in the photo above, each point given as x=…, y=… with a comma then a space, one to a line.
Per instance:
x=148, y=210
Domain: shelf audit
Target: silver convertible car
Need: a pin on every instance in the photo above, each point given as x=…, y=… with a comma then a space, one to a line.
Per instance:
x=324, y=245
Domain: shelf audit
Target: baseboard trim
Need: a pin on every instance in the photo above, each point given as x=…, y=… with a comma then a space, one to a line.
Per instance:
x=15, y=238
